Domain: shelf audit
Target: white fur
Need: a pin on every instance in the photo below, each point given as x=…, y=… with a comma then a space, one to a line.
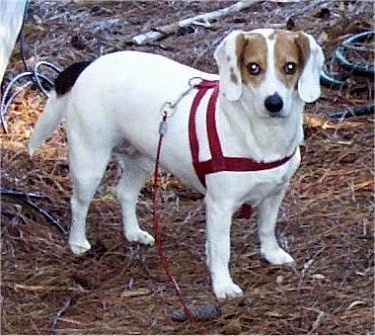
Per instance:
x=118, y=98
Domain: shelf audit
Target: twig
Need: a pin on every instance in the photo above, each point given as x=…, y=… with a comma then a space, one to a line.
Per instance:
x=43, y=288
x=201, y=20
x=317, y=321
x=65, y=306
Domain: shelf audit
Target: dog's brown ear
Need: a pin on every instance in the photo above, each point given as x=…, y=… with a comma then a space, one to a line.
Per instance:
x=313, y=60
x=227, y=56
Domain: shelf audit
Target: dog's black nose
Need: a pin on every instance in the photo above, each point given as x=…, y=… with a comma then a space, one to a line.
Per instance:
x=274, y=103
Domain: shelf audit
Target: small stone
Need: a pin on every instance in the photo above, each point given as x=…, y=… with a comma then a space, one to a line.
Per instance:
x=201, y=313
x=279, y=279
x=234, y=327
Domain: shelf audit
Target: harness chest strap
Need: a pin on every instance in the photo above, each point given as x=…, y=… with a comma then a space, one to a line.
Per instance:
x=218, y=162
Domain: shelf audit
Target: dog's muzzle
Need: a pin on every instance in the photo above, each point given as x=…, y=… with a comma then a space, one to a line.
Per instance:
x=274, y=104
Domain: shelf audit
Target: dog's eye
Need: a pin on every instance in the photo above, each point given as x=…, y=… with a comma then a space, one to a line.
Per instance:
x=254, y=69
x=290, y=68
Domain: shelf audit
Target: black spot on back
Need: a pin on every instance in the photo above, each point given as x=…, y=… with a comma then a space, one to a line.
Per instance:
x=66, y=79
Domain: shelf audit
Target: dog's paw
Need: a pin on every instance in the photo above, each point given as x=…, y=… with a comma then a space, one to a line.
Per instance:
x=277, y=256
x=140, y=236
x=79, y=247
x=227, y=291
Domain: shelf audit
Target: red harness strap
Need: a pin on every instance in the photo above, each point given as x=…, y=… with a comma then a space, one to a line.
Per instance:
x=218, y=161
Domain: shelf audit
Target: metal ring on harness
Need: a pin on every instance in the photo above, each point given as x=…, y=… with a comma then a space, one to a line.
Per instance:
x=192, y=79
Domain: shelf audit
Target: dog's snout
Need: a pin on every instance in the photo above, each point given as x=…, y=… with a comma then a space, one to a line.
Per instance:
x=274, y=103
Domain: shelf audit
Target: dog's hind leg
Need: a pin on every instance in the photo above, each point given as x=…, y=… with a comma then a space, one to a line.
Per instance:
x=88, y=160
x=136, y=169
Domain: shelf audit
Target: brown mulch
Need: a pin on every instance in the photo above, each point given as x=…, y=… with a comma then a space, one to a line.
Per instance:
x=326, y=219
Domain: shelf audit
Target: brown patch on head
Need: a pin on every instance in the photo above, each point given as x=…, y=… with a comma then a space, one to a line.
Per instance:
x=254, y=51
x=293, y=48
x=240, y=44
x=303, y=44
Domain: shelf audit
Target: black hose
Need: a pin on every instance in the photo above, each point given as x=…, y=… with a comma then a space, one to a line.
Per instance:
x=362, y=69
x=352, y=112
x=332, y=83
x=355, y=69
x=366, y=70
x=15, y=196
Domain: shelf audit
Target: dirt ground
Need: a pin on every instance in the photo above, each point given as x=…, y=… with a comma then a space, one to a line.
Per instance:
x=326, y=219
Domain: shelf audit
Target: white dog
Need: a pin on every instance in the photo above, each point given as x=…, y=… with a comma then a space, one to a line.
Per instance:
x=242, y=148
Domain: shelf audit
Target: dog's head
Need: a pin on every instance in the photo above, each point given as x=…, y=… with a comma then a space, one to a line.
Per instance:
x=271, y=67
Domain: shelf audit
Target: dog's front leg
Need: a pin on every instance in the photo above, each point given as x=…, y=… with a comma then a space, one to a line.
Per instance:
x=219, y=218
x=267, y=216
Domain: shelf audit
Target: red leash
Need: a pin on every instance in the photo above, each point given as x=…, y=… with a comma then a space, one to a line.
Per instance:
x=157, y=231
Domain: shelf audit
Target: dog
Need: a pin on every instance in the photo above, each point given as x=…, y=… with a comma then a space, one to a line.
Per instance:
x=265, y=78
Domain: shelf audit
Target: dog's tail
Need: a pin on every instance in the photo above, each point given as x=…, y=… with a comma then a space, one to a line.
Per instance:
x=55, y=109
x=53, y=114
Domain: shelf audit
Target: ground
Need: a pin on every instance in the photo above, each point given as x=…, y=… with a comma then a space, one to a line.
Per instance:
x=326, y=220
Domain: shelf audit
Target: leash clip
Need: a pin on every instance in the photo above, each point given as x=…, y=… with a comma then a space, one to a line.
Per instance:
x=163, y=126
x=170, y=107
x=167, y=108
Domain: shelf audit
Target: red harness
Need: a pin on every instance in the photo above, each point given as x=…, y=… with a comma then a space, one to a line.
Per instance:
x=218, y=161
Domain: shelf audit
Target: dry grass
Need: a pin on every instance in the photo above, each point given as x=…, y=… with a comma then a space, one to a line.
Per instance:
x=326, y=220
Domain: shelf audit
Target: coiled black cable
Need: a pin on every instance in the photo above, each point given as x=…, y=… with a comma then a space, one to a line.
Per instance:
x=34, y=75
x=355, y=69
x=362, y=69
